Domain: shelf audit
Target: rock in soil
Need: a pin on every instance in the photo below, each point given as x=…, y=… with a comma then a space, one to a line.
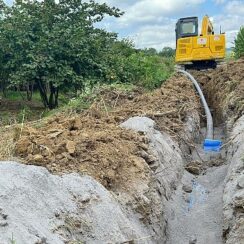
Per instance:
x=193, y=240
x=187, y=188
x=194, y=167
x=241, y=182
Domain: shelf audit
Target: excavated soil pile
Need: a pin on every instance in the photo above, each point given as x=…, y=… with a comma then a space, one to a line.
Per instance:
x=170, y=106
x=224, y=90
x=112, y=97
x=94, y=144
x=88, y=145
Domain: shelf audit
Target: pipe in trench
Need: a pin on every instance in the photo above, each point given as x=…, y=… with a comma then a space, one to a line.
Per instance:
x=209, y=134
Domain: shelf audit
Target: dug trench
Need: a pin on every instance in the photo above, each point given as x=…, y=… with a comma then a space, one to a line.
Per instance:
x=195, y=210
x=133, y=173
x=208, y=205
x=224, y=89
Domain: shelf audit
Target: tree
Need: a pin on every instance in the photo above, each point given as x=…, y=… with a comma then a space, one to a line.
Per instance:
x=150, y=51
x=239, y=44
x=167, y=52
x=53, y=45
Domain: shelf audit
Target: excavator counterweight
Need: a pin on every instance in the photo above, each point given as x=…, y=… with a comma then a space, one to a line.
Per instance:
x=198, y=50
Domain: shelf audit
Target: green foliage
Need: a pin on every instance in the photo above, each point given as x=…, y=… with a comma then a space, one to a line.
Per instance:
x=54, y=47
x=167, y=52
x=137, y=67
x=150, y=51
x=239, y=44
x=150, y=71
x=24, y=114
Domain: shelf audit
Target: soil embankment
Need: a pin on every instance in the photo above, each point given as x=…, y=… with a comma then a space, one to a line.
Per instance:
x=142, y=168
x=145, y=149
x=93, y=143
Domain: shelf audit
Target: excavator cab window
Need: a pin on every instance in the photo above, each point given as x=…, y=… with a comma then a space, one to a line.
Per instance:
x=186, y=27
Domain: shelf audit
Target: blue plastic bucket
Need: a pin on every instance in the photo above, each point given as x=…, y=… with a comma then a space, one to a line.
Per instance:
x=212, y=145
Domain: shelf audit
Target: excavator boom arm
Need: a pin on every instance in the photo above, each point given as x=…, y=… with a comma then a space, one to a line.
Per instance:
x=207, y=27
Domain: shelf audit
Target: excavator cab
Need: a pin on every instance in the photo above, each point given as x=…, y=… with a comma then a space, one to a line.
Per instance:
x=198, y=50
x=186, y=27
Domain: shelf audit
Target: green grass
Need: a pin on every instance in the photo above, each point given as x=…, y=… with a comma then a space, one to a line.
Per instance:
x=21, y=96
x=20, y=116
x=7, y=118
x=18, y=96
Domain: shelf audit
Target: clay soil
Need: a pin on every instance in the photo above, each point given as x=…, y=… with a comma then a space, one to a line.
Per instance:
x=87, y=145
x=93, y=143
x=169, y=106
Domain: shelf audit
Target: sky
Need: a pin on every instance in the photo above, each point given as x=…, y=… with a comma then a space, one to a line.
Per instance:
x=151, y=23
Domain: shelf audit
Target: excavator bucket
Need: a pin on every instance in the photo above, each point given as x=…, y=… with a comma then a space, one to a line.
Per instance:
x=212, y=145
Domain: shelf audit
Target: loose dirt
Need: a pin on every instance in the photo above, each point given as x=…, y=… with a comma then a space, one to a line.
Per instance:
x=87, y=145
x=92, y=142
x=169, y=106
x=224, y=90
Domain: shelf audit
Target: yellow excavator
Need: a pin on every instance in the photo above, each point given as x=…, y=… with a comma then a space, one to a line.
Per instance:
x=194, y=50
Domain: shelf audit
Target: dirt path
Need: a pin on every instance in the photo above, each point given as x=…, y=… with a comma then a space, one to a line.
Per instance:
x=195, y=210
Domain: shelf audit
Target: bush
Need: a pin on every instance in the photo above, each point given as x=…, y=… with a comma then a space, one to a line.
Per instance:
x=150, y=71
x=167, y=52
x=139, y=68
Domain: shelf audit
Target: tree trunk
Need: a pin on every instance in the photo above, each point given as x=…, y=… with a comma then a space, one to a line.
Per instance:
x=50, y=102
x=53, y=98
x=43, y=92
x=29, y=91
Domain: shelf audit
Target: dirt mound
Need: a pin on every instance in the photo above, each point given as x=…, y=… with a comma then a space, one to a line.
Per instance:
x=94, y=144
x=87, y=145
x=169, y=106
x=224, y=90
x=113, y=97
